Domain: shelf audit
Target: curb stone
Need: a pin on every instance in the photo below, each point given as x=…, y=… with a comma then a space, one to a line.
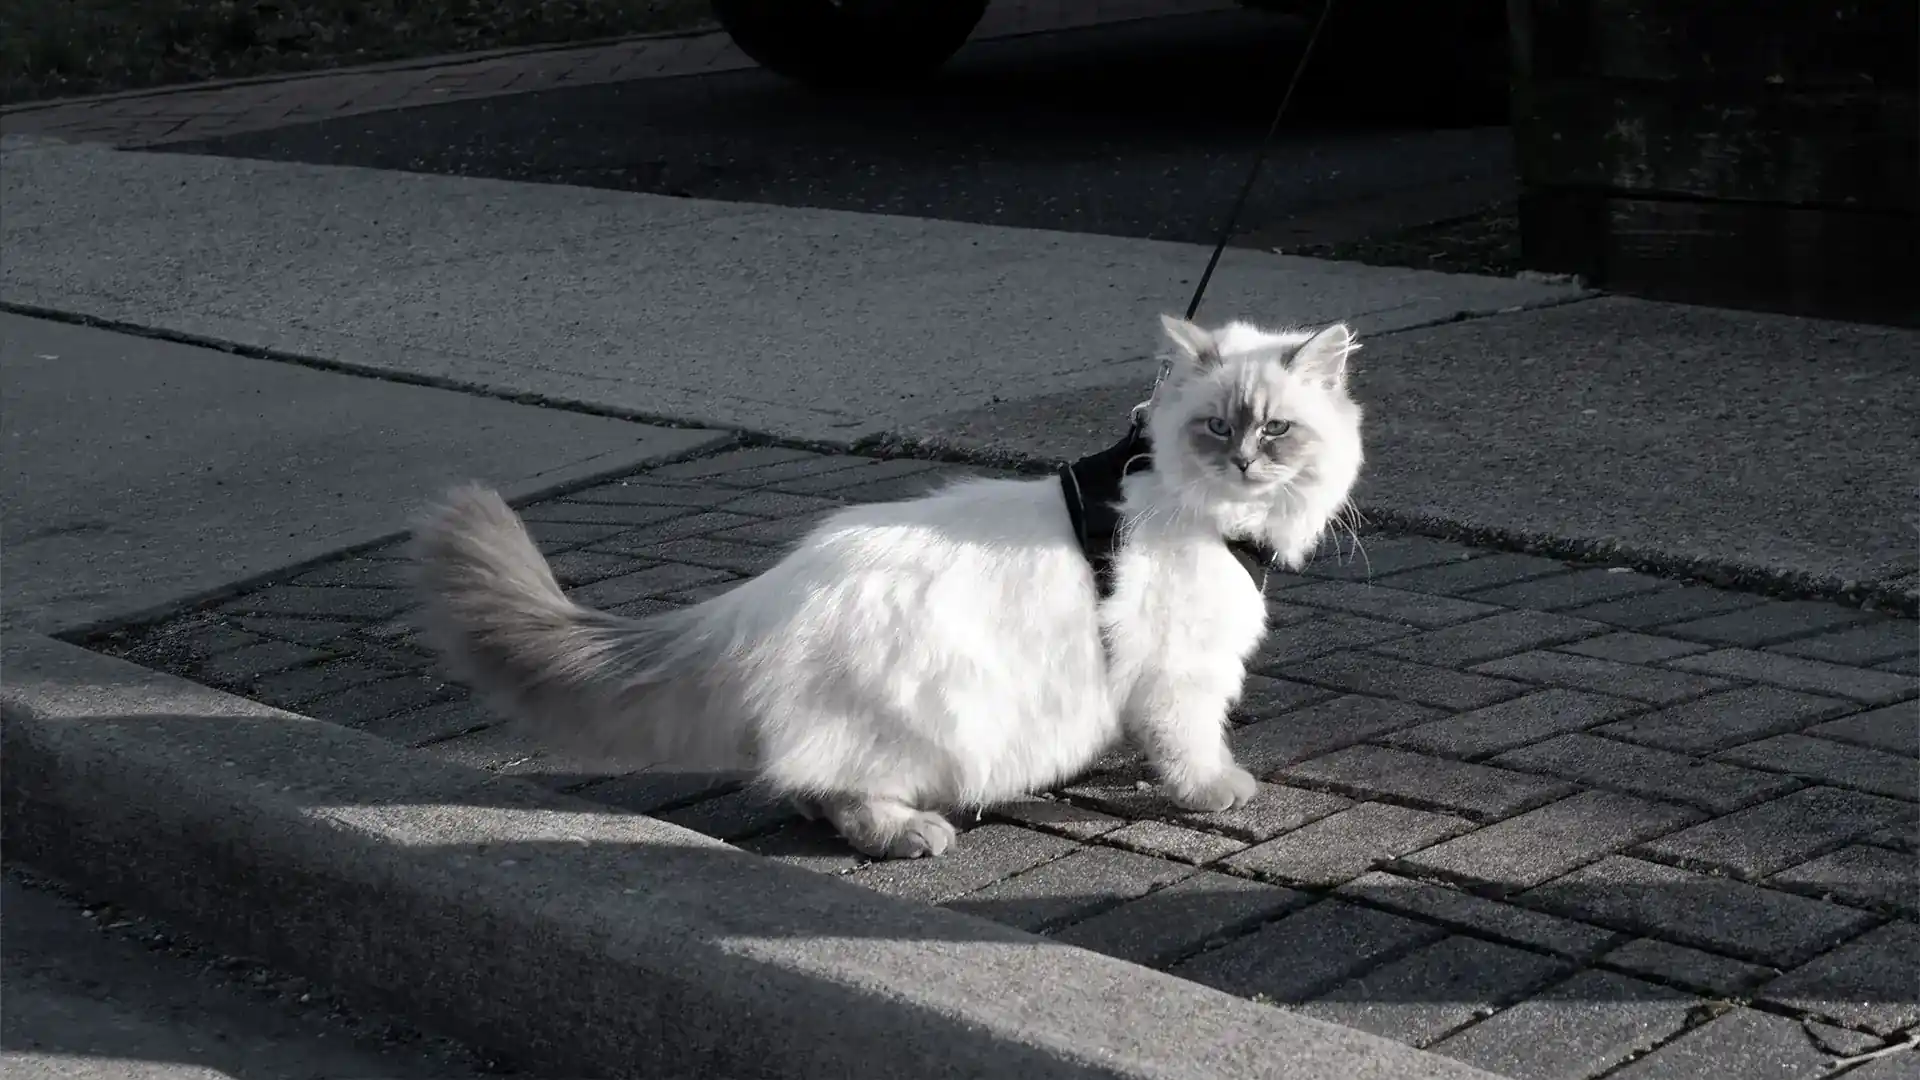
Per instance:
x=650, y=950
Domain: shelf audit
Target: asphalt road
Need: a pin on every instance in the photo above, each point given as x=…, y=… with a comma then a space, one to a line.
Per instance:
x=93, y=993
x=1140, y=129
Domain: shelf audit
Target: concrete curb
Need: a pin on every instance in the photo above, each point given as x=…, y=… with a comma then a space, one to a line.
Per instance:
x=581, y=941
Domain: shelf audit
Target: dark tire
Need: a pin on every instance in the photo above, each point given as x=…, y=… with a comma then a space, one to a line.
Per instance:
x=854, y=44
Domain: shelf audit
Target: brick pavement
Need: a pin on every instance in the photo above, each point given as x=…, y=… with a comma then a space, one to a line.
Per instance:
x=1556, y=821
x=152, y=118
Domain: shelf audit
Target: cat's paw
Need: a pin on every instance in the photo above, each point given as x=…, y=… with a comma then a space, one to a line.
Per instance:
x=1231, y=787
x=925, y=833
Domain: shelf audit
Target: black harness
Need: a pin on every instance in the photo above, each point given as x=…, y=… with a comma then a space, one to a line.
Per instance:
x=1092, y=489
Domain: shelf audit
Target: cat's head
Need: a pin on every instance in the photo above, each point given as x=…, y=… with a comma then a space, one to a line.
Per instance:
x=1254, y=415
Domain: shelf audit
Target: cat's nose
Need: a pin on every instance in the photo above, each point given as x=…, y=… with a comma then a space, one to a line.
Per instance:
x=1240, y=461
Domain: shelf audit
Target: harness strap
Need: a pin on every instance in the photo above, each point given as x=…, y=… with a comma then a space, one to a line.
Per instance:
x=1091, y=489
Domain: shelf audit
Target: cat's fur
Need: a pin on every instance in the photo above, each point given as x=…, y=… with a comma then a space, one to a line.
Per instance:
x=947, y=651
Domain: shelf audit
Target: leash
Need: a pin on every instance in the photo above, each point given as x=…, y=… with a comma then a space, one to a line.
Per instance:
x=1259, y=159
x=1138, y=414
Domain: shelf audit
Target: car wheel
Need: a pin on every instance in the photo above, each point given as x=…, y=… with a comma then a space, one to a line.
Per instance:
x=850, y=44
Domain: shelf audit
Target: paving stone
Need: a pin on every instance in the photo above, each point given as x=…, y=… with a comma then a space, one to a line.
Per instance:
x=1435, y=990
x=1494, y=636
x=1274, y=808
x=359, y=705
x=1263, y=698
x=490, y=749
x=1729, y=917
x=891, y=489
x=782, y=533
x=1182, y=918
x=865, y=473
x=1396, y=605
x=1361, y=673
x=1386, y=555
x=1307, y=952
x=1059, y=816
x=1667, y=606
x=1763, y=839
x=318, y=633
x=1893, y=728
x=1488, y=918
x=1632, y=647
x=649, y=791
x=576, y=568
x=1473, y=575
x=1655, y=685
x=735, y=815
x=240, y=666
x=657, y=580
x=978, y=859
x=1774, y=620
x=1067, y=889
x=1872, y=982
x=776, y=504
x=810, y=845
x=1860, y=646
x=1476, y=791
x=1542, y=844
x=1856, y=767
x=442, y=720
x=700, y=594
x=1638, y=770
x=554, y=537
x=1748, y=1044
x=1285, y=647
x=293, y=688
x=1263, y=747
x=645, y=608
x=562, y=511
x=1724, y=719
x=1574, y=1030
x=338, y=602
x=359, y=573
x=1814, y=676
x=705, y=523
x=1174, y=842
x=744, y=460
x=1716, y=976
x=1522, y=720
x=1902, y=1065
x=1342, y=847
x=1577, y=589
x=1870, y=877
x=1903, y=837
x=720, y=554
x=1906, y=665
x=649, y=493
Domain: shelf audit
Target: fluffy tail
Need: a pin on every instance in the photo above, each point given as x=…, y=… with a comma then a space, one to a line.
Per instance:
x=647, y=690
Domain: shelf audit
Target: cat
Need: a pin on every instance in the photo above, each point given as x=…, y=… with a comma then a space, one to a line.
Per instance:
x=951, y=651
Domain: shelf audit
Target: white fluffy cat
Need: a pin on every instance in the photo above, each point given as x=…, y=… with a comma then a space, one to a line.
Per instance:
x=950, y=651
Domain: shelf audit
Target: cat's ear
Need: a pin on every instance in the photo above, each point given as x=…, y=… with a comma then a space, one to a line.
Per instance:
x=1190, y=342
x=1323, y=357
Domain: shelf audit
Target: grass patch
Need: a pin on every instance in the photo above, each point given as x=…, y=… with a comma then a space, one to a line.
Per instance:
x=59, y=48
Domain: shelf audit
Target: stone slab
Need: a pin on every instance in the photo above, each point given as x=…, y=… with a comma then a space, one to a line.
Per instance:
x=144, y=473
x=195, y=804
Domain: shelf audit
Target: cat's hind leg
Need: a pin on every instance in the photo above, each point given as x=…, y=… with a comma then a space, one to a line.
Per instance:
x=887, y=828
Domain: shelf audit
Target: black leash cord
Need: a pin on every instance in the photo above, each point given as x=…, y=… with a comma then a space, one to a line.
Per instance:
x=1259, y=158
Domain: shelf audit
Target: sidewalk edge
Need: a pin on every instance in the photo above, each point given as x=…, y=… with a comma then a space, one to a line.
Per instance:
x=581, y=941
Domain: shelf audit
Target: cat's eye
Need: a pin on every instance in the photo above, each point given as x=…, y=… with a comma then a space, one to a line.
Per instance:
x=1219, y=427
x=1273, y=429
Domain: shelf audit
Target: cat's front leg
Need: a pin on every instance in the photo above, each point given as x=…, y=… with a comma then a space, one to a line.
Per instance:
x=1181, y=725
